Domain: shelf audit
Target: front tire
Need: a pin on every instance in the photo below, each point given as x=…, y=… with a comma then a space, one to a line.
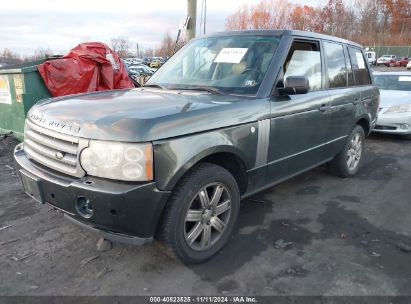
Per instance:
x=201, y=214
x=347, y=162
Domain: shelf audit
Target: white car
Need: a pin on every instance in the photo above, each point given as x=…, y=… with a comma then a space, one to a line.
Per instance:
x=384, y=58
x=394, y=114
x=409, y=65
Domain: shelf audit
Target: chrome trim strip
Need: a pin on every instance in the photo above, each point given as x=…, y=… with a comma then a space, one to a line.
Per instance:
x=21, y=158
x=51, y=133
x=51, y=153
x=56, y=165
x=51, y=142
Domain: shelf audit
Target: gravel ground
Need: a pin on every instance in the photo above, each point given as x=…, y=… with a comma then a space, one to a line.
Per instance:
x=312, y=235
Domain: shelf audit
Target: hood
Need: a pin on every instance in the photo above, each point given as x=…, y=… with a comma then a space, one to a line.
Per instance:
x=389, y=98
x=144, y=114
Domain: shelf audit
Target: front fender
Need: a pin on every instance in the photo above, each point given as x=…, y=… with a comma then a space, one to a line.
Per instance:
x=174, y=157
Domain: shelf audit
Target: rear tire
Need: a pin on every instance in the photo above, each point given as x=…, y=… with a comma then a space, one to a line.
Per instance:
x=201, y=214
x=347, y=162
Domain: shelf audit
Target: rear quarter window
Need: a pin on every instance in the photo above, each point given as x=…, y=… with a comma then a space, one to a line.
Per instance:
x=359, y=67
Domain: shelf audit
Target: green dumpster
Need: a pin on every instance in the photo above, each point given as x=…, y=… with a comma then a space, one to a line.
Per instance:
x=21, y=86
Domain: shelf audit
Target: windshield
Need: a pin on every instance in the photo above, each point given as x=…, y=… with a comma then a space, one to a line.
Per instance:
x=228, y=64
x=393, y=82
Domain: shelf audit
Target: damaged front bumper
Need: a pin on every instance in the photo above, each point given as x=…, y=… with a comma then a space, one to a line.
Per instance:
x=116, y=210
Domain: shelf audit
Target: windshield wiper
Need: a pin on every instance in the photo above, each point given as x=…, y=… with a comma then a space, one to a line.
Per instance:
x=153, y=85
x=199, y=88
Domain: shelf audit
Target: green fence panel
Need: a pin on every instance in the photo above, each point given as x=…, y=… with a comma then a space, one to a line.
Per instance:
x=400, y=51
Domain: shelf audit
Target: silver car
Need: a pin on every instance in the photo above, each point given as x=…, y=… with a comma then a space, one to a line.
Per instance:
x=394, y=115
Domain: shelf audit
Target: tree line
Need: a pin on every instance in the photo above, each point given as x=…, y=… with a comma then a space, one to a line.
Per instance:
x=368, y=22
x=9, y=57
x=121, y=45
x=167, y=47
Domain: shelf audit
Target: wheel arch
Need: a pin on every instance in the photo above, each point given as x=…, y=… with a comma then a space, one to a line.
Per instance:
x=228, y=157
x=364, y=122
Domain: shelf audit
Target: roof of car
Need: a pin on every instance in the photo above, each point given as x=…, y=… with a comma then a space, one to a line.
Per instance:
x=399, y=73
x=276, y=32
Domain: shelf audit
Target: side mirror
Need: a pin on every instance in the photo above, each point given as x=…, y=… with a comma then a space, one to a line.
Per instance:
x=295, y=85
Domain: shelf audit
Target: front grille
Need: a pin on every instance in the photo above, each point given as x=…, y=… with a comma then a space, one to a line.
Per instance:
x=52, y=149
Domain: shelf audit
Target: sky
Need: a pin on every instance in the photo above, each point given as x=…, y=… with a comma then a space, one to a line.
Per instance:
x=26, y=25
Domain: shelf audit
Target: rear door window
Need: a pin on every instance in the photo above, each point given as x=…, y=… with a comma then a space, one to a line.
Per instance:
x=335, y=61
x=359, y=67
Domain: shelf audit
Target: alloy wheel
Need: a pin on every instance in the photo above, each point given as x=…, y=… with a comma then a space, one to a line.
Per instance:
x=207, y=216
x=354, y=152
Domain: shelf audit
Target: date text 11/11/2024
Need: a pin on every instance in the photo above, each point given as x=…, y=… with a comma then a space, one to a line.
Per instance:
x=204, y=299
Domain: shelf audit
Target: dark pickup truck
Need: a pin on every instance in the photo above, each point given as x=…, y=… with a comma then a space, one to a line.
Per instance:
x=227, y=116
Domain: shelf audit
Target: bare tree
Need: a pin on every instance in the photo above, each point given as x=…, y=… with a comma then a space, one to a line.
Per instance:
x=166, y=47
x=264, y=15
x=120, y=45
x=147, y=52
x=42, y=53
x=169, y=45
x=8, y=57
x=240, y=20
x=365, y=21
x=39, y=54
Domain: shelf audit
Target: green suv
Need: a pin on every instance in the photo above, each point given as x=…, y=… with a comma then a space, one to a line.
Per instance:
x=227, y=116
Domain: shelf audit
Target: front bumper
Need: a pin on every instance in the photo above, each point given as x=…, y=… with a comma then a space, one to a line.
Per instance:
x=395, y=123
x=122, y=211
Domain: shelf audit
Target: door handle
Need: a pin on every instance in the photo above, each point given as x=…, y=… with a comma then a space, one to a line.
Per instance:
x=323, y=108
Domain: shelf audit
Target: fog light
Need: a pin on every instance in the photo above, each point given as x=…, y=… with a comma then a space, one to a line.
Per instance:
x=84, y=207
x=404, y=126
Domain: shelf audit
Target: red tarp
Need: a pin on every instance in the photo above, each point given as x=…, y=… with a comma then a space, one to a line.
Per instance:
x=89, y=67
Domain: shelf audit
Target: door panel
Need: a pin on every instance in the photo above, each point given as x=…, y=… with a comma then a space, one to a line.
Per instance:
x=298, y=134
x=299, y=123
x=342, y=116
x=343, y=95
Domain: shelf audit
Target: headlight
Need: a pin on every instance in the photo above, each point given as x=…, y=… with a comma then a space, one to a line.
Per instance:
x=117, y=160
x=400, y=109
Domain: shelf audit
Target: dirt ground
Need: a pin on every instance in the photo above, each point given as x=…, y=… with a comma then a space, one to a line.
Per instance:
x=313, y=235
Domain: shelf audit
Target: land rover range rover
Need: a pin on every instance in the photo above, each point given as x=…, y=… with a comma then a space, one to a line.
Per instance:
x=227, y=116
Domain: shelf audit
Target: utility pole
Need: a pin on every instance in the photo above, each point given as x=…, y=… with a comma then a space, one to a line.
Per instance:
x=192, y=14
x=205, y=16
